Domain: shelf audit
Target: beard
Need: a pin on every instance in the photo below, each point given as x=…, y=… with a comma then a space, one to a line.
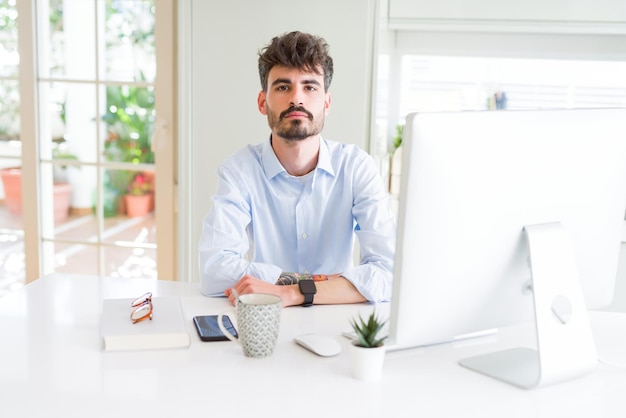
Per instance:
x=297, y=129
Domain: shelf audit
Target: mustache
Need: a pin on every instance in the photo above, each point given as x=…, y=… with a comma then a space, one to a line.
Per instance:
x=296, y=109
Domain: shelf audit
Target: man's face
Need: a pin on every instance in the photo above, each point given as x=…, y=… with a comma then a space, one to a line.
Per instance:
x=295, y=103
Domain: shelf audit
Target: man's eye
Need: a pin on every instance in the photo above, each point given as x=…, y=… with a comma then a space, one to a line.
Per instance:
x=282, y=88
x=311, y=88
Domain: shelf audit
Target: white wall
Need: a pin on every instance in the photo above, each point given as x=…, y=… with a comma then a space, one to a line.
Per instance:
x=219, y=83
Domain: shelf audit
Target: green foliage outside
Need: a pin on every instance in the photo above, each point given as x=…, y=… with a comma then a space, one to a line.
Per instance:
x=130, y=122
x=397, y=140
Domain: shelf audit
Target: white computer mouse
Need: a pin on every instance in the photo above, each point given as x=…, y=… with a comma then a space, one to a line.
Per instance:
x=322, y=345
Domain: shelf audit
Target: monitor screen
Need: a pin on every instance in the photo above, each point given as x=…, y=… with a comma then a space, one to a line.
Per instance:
x=471, y=182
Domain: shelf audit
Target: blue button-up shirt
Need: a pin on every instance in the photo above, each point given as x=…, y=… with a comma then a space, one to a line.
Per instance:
x=264, y=221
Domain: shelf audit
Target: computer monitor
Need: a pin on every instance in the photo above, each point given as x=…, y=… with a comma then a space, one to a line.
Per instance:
x=477, y=189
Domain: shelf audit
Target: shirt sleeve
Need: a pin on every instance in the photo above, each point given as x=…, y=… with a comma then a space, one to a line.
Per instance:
x=224, y=243
x=376, y=234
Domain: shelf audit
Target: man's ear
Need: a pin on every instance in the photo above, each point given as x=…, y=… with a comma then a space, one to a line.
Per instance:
x=261, y=100
x=327, y=103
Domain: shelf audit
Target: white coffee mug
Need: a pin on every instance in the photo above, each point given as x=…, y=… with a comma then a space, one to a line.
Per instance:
x=258, y=321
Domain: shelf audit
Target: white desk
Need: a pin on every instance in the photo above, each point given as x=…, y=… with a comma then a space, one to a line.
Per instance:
x=51, y=364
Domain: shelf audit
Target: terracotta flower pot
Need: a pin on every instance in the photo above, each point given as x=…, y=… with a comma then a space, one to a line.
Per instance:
x=12, y=183
x=138, y=205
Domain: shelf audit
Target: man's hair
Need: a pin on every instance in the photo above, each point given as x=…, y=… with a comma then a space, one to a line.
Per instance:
x=296, y=50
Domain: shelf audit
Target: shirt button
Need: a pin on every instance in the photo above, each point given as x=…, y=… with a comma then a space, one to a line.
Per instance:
x=304, y=236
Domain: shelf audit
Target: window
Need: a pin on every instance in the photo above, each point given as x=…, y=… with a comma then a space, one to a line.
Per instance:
x=426, y=83
x=431, y=83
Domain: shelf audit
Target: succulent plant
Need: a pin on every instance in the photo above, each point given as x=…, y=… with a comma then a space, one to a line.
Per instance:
x=367, y=331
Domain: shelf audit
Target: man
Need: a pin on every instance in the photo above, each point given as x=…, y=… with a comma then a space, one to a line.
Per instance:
x=286, y=211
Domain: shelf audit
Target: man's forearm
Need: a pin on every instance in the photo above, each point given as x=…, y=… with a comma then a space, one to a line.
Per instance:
x=331, y=289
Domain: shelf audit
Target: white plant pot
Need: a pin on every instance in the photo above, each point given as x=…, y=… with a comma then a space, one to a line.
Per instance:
x=366, y=363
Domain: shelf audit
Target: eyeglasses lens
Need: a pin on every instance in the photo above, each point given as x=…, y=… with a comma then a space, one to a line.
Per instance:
x=141, y=312
x=143, y=308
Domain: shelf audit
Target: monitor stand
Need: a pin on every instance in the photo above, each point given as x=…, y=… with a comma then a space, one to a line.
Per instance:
x=565, y=345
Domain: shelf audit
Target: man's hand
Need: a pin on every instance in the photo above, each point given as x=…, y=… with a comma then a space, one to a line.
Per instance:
x=290, y=295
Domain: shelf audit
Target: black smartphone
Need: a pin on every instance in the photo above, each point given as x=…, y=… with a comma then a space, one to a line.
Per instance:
x=208, y=330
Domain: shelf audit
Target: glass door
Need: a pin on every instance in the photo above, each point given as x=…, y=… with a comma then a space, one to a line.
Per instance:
x=94, y=149
x=11, y=226
x=96, y=74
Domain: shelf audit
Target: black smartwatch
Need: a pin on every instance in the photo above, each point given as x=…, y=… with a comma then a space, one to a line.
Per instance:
x=308, y=289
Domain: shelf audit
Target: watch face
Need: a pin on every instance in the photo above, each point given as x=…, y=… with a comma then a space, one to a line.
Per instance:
x=307, y=286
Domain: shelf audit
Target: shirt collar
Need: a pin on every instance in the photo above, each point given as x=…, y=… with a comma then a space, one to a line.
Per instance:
x=323, y=161
x=272, y=166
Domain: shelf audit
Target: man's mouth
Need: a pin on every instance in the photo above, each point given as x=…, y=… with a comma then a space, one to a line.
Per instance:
x=296, y=115
x=296, y=112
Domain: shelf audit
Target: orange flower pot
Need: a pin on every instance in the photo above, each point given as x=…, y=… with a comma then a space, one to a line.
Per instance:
x=138, y=205
x=12, y=183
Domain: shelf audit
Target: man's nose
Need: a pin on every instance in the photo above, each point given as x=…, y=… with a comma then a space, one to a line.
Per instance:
x=296, y=99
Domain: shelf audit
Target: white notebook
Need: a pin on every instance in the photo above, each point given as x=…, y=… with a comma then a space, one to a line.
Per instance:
x=166, y=329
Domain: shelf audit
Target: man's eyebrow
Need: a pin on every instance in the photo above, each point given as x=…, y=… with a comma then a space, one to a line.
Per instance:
x=281, y=81
x=312, y=81
x=288, y=81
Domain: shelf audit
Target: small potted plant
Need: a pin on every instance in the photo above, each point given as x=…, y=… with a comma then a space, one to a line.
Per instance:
x=367, y=352
x=139, y=197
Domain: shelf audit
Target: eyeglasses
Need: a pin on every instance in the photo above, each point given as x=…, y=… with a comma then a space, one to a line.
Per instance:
x=143, y=308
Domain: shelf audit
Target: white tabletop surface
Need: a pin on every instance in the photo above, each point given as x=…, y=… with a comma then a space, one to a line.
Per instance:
x=52, y=365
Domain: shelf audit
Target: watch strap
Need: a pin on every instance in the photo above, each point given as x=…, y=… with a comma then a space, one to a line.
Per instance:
x=308, y=290
x=308, y=300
